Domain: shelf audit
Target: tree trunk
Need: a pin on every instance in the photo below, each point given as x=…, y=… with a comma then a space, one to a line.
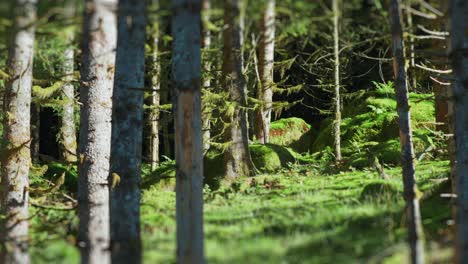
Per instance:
x=35, y=131
x=186, y=73
x=97, y=81
x=16, y=153
x=206, y=111
x=237, y=156
x=413, y=217
x=67, y=130
x=127, y=132
x=441, y=92
x=459, y=58
x=411, y=63
x=266, y=63
x=155, y=76
x=337, y=103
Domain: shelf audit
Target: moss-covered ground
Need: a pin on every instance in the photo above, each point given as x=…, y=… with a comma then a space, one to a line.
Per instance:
x=300, y=214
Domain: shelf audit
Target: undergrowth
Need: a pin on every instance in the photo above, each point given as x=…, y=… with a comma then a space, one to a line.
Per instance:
x=296, y=215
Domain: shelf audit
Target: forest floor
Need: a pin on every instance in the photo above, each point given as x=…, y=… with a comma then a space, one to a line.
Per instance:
x=298, y=215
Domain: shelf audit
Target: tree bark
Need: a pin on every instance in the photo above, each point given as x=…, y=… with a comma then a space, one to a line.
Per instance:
x=413, y=217
x=266, y=63
x=237, y=156
x=155, y=76
x=337, y=99
x=458, y=52
x=16, y=133
x=97, y=81
x=206, y=6
x=67, y=130
x=35, y=131
x=186, y=73
x=127, y=132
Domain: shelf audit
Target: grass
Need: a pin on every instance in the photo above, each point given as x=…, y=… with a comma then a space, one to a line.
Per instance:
x=294, y=216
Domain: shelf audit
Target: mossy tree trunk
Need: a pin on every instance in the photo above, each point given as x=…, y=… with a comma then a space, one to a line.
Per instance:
x=458, y=51
x=67, y=129
x=337, y=99
x=206, y=111
x=186, y=76
x=237, y=157
x=155, y=75
x=127, y=132
x=413, y=216
x=97, y=82
x=265, y=68
x=16, y=153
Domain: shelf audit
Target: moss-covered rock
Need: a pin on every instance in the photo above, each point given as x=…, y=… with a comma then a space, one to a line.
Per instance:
x=383, y=190
x=270, y=157
x=292, y=132
x=266, y=158
x=370, y=125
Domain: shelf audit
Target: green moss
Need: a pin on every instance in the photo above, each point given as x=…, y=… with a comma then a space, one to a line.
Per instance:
x=371, y=124
x=292, y=132
x=380, y=191
x=266, y=158
x=270, y=157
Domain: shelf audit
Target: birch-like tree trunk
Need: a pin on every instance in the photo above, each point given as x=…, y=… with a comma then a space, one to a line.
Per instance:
x=458, y=47
x=237, y=156
x=155, y=75
x=127, y=132
x=266, y=62
x=97, y=81
x=67, y=129
x=16, y=153
x=206, y=41
x=186, y=76
x=413, y=216
x=337, y=99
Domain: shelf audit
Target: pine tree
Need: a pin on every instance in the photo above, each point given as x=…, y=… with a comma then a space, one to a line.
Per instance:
x=459, y=59
x=67, y=128
x=16, y=134
x=127, y=132
x=237, y=156
x=97, y=80
x=413, y=215
x=155, y=76
x=186, y=76
x=206, y=6
x=266, y=63
x=337, y=99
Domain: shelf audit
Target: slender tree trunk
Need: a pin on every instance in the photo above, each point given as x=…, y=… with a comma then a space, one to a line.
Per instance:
x=459, y=58
x=166, y=120
x=441, y=92
x=411, y=64
x=206, y=111
x=413, y=217
x=127, y=132
x=155, y=93
x=35, y=131
x=67, y=130
x=337, y=103
x=186, y=72
x=237, y=156
x=16, y=154
x=266, y=63
x=97, y=81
